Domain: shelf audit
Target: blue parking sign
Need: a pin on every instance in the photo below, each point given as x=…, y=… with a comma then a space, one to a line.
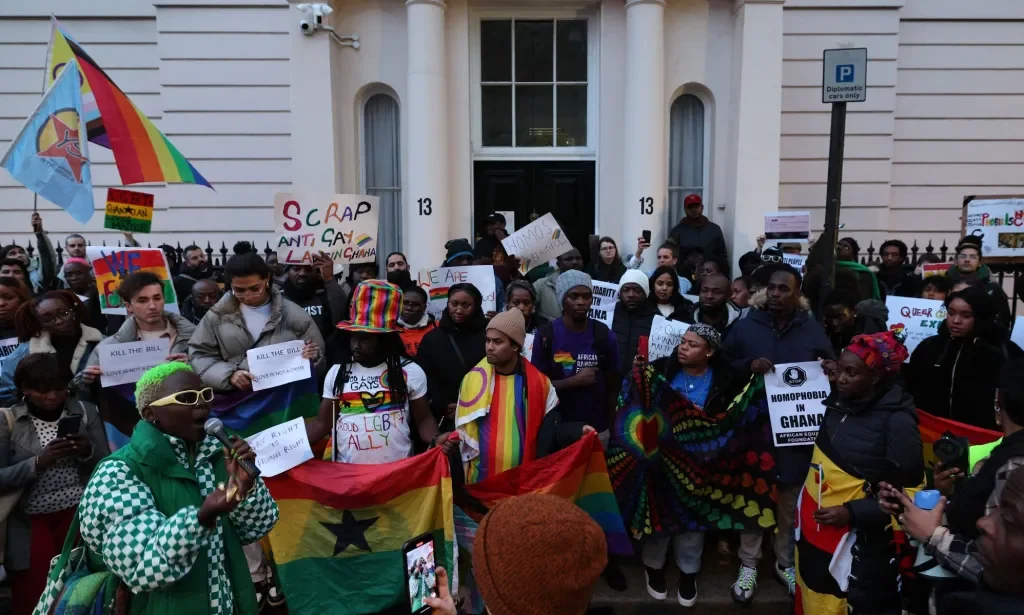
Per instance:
x=844, y=73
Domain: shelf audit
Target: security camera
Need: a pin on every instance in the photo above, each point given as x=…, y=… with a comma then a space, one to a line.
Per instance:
x=306, y=27
x=314, y=17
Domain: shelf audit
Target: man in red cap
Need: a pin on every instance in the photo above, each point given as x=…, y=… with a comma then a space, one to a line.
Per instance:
x=696, y=231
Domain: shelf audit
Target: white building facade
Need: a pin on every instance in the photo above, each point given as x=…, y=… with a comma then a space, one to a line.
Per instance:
x=606, y=113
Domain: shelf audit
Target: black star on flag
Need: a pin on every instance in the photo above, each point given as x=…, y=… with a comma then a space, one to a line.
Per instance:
x=350, y=532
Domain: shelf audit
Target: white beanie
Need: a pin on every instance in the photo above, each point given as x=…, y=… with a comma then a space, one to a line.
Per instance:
x=635, y=276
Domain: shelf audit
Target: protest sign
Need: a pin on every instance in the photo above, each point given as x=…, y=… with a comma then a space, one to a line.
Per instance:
x=528, y=347
x=112, y=265
x=796, y=261
x=788, y=226
x=930, y=269
x=999, y=221
x=795, y=392
x=125, y=363
x=342, y=225
x=128, y=211
x=606, y=297
x=277, y=364
x=1017, y=337
x=665, y=336
x=7, y=346
x=437, y=281
x=281, y=448
x=538, y=241
x=917, y=318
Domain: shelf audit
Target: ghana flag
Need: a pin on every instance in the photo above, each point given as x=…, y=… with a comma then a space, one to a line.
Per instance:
x=338, y=543
x=112, y=265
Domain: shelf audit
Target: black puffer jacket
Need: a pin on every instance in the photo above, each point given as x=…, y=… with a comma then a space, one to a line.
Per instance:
x=442, y=364
x=629, y=327
x=955, y=378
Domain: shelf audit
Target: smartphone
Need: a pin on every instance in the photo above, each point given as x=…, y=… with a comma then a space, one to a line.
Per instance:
x=646, y=236
x=69, y=426
x=418, y=558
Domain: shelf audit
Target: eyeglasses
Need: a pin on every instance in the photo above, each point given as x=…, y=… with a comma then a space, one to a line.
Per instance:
x=608, y=249
x=58, y=317
x=185, y=398
x=771, y=258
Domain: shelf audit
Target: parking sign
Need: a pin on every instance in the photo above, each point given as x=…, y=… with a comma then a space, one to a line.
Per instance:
x=844, y=77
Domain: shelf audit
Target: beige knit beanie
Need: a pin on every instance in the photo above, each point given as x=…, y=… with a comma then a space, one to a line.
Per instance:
x=512, y=323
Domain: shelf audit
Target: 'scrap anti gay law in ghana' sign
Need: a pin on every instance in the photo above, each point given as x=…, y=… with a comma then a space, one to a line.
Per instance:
x=342, y=225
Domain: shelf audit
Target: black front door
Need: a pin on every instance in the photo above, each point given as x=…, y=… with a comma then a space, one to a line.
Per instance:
x=565, y=189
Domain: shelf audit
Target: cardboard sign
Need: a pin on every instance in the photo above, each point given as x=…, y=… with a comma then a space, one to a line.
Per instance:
x=437, y=281
x=665, y=336
x=112, y=265
x=918, y=318
x=128, y=211
x=930, y=269
x=125, y=363
x=795, y=393
x=999, y=221
x=343, y=225
x=277, y=364
x=606, y=297
x=7, y=346
x=788, y=226
x=538, y=241
x=281, y=448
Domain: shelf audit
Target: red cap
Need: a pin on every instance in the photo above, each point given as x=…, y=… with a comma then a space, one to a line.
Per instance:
x=692, y=199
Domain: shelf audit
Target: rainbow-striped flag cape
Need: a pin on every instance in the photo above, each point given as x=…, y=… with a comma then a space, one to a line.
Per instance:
x=249, y=412
x=338, y=543
x=141, y=152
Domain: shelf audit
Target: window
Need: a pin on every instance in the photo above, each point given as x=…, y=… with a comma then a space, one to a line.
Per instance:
x=686, y=153
x=533, y=82
x=382, y=162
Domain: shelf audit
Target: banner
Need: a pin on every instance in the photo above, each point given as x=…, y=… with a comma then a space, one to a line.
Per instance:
x=437, y=281
x=128, y=211
x=788, y=226
x=112, y=265
x=125, y=363
x=343, y=225
x=606, y=297
x=665, y=336
x=795, y=392
x=277, y=364
x=999, y=221
x=538, y=241
x=918, y=318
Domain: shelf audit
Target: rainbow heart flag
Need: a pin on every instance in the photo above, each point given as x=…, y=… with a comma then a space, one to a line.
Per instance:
x=338, y=543
x=141, y=152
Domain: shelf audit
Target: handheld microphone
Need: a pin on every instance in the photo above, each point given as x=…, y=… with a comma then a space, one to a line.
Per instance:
x=215, y=427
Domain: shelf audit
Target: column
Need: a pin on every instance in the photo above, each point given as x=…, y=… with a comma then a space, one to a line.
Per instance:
x=645, y=188
x=426, y=198
x=757, y=91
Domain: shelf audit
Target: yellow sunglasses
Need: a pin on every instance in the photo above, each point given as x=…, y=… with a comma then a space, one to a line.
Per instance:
x=185, y=398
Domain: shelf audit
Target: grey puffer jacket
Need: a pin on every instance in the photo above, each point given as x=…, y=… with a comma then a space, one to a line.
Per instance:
x=218, y=346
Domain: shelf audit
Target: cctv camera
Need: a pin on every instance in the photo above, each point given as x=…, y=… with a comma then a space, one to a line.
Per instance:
x=306, y=27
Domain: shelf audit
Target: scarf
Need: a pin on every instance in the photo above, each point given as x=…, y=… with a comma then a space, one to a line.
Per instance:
x=498, y=418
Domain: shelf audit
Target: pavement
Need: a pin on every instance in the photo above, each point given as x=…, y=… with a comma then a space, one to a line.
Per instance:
x=713, y=594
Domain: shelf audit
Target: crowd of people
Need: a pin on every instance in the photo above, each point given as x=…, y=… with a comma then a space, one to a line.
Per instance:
x=469, y=373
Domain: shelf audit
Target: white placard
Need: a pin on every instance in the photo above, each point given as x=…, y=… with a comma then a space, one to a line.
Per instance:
x=999, y=221
x=437, y=281
x=125, y=363
x=342, y=225
x=796, y=261
x=795, y=393
x=918, y=318
x=281, y=447
x=788, y=226
x=665, y=336
x=527, y=346
x=7, y=346
x=538, y=241
x=606, y=297
x=277, y=364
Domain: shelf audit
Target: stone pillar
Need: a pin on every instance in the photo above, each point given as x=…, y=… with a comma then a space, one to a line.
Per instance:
x=425, y=111
x=645, y=187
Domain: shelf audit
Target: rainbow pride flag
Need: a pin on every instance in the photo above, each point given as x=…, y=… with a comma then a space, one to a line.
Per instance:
x=338, y=543
x=141, y=152
x=248, y=412
x=932, y=428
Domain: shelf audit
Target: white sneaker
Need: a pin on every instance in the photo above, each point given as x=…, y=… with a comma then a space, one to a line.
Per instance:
x=746, y=583
x=787, y=576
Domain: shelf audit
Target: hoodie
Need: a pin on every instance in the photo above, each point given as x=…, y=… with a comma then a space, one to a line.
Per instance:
x=446, y=354
x=995, y=290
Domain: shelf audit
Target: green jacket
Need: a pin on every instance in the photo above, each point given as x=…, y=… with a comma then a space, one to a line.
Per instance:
x=140, y=514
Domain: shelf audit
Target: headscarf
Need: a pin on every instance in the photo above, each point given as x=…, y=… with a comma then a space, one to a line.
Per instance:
x=883, y=352
x=707, y=333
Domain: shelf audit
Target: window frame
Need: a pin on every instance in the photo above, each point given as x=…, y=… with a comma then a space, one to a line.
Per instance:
x=708, y=141
x=587, y=152
x=364, y=100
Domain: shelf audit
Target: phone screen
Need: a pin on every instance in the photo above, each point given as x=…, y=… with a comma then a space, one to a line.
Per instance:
x=647, y=236
x=419, y=569
x=68, y=426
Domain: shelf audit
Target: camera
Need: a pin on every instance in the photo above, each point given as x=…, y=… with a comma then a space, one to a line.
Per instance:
x=314, y=16
x=953, y=451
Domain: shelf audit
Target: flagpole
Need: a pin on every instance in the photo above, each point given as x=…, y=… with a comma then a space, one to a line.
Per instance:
x=46, y=74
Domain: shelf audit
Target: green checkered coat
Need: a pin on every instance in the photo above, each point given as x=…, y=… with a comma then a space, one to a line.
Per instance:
x=140, y=514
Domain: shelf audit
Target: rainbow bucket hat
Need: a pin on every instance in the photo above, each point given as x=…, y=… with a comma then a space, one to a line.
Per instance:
x=375, y=308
